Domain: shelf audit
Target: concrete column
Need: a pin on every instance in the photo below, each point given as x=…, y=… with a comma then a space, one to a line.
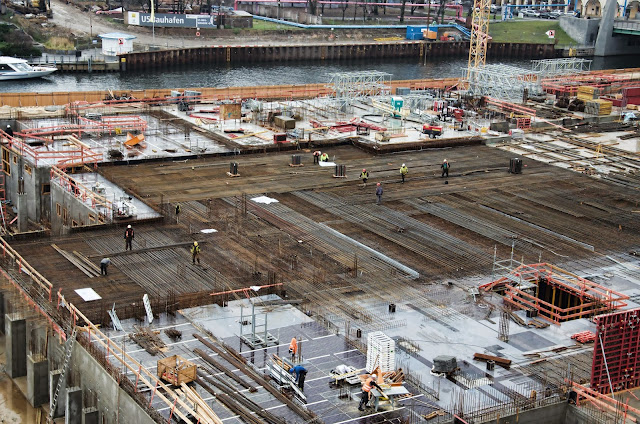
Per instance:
x=37, y=380
x=90, y=416
x=73, y=408
x=2, y=310
x=54, y=377
x=16, y=345
x=23, y=212
x=605, y=33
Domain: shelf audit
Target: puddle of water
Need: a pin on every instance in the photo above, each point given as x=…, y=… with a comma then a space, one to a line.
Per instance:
x=14, y=407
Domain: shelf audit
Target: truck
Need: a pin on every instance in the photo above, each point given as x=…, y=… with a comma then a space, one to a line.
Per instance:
x=432, y=130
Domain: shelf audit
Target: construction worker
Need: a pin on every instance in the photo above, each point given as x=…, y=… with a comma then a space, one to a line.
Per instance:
x=403, y=171
x=445, y=169
x=9, y=131
x=369, y=383
x=195, y=252
x=128, y=237
x=364, y=176
x=379, y=193
x=301, y=375
x=293, y=348
x=104, y=264
x=316, y=156
x=324, y=157
x=178, y=209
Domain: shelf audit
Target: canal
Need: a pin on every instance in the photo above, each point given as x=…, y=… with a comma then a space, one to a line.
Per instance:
x=266, y=74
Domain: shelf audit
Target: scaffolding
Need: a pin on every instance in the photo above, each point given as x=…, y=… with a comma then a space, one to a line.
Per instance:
x=560, y=66
x=556, y=294
x=479, y=39
x=349, y=87
x=504, y=82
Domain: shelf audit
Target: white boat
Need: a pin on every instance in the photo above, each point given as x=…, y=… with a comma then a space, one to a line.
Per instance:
x=12, y=68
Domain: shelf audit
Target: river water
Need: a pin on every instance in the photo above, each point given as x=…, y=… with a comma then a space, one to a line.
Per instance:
x=266, y=74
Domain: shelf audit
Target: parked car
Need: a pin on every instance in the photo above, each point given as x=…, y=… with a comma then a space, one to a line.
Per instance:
x=495, y=8
x=530, y=13
x=555, y=14
x=545, y=15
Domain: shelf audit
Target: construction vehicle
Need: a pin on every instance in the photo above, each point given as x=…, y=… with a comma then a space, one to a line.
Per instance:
x=432, y=130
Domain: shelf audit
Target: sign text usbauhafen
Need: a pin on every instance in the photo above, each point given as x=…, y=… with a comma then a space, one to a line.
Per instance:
x=171, y=20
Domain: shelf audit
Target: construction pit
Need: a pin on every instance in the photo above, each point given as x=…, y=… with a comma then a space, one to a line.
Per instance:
x=291, y=250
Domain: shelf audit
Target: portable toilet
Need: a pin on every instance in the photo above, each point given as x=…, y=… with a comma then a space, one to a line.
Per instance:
x=397, y=102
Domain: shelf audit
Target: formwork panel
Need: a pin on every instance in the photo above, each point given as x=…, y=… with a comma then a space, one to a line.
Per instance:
x=617, y=342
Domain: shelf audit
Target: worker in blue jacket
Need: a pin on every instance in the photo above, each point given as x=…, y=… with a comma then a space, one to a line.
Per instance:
x=301, y=374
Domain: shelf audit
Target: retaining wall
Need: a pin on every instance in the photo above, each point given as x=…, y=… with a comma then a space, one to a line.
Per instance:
x=216, y=55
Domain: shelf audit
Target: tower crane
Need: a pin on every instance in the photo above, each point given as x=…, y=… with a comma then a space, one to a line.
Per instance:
x=479, y=39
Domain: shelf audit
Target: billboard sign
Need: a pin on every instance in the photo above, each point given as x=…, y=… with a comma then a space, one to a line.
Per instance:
x=171, y=20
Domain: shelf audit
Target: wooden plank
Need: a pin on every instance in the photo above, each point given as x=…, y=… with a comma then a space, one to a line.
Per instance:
x=506, y=363
x=87, y=262
x=73, y=261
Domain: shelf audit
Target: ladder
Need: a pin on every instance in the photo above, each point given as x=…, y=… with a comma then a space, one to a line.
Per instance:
x=65, y=366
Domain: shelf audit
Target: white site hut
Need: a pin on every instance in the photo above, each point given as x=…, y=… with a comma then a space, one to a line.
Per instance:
x=115, y=43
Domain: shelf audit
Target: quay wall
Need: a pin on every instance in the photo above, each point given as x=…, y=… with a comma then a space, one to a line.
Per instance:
x=217, y=55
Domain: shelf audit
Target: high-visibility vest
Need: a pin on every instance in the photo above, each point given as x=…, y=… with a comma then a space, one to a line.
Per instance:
x=293, y=346
x=367, y=386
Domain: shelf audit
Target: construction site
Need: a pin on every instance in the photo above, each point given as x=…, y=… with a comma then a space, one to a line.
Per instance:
x=462, y=250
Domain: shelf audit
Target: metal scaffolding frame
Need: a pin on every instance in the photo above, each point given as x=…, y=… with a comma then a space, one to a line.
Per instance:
x=504, y=82
x=560, y=66
x=351, y=86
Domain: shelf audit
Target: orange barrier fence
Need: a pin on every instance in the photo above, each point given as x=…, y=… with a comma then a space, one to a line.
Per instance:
x=261, y=92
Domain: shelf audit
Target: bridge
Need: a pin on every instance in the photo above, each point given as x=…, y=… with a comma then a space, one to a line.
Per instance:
x=626, y=27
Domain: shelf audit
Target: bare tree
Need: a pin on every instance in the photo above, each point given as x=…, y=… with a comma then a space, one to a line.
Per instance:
x=404, y=3
x=344, y=8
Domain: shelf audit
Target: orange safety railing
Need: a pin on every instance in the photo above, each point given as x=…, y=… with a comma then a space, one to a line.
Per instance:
x=72, y=157
x=594, y=298
x=510, y=107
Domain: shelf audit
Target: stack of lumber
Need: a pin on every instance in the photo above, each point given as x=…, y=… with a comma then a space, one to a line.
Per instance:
x=587, y=92
x=148, y=340
x=598, y=107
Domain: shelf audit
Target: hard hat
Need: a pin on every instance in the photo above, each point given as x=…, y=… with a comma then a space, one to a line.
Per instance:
x=403, y=164
x=129, y=226
x=445, y=160
x=195, y=243
x=374, y=376
x=364, y=170
x=8, y=126
x=378, y=184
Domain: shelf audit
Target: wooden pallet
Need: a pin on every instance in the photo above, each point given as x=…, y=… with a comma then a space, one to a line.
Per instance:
x=296, y=166
x=232, y=175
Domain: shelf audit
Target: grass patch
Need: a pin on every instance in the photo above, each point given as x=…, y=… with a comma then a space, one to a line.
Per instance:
x=260, y=25
x=528, y=32
x=59, y=43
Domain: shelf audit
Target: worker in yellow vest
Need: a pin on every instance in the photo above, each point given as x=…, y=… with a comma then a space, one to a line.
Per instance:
x=403, y=171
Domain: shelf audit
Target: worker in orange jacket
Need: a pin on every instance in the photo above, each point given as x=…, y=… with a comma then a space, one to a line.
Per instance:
x=293, y=348
x=365, y=396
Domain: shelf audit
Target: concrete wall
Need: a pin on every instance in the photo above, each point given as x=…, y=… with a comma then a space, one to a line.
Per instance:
x=72, y=211
x=37, y=205
x=114, y=404
x=583, y=31
x=552, y=414
x=299, y=16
